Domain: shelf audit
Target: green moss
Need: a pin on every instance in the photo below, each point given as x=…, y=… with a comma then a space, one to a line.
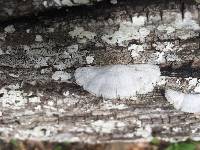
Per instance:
x=13, y=142
x=181, y=146
x=58, y=147
x=155, y=141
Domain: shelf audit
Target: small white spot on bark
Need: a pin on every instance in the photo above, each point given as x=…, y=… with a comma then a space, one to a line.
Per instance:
x=9, y=29
x=89, y=59
x=45, y=4
x=38, y=38
x=58, y=2
x=28, y=30
x=113, y=2
x=136, y=49
x=66, y=93
x=61, y=75
x=12, y=99
x=34, y=99
x=41, y=62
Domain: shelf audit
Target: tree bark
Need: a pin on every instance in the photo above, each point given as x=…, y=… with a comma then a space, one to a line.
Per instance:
x=10, y=9
x=33, y=50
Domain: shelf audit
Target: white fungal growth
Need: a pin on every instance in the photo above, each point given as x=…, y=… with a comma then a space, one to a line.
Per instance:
x=187, y=23
x=184, y=102
x=128, y=31
x=118, y=81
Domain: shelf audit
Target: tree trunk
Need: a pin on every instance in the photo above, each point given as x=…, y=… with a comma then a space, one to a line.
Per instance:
x=36, y=105
x=10, y=9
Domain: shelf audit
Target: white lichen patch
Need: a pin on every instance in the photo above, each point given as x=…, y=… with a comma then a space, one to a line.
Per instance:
x=9, y=29
x=165, y=52
x=13, y=75
x=58, y=2
x=61, y=76
x=135, y=50
x=107, y=126
x=41, y=132
x=70, y=3
x=159, y=58
x=184, y=102
x=110, y=105
x=113, y=2
x=72, y=48
x=81, y=1
x=12, y=98
x=168, y=29
x=128, y=31
x=145, y=132
x=66, y=93
x=41, y=62
x=166, y=47
x=82, y=35
x=118, y=81
x=34, y=99
x=89, y=59
x=60, y=66
x=38, y=38
x=162, y=81
x=67, y=2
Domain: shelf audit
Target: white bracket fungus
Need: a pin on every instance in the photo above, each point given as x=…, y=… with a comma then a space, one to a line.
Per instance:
x=184, y=102
x=118, y=81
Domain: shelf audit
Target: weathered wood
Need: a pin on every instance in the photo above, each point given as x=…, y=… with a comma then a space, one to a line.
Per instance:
x=32, y=51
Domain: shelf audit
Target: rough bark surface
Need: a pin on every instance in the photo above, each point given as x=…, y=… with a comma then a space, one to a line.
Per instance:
x=35, y=53
x=10, y=9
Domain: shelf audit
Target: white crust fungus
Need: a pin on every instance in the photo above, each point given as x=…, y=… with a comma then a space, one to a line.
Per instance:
x=118, y=81
x=184, y=102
